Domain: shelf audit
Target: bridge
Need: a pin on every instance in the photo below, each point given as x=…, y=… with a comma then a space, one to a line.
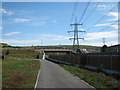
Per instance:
x=54, y=50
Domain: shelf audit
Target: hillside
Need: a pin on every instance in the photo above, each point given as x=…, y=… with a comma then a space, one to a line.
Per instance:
x=88, y=47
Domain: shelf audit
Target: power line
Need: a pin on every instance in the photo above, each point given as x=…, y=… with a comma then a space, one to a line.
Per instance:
x=91, y=12
x=84, y=11
x=102, y=17
x=107, y=26
x=74, y=10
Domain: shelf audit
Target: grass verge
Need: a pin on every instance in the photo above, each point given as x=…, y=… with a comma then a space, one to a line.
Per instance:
x=19, y=73
x=97, y=80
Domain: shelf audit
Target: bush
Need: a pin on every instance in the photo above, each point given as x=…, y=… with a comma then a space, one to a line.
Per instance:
x=7, y=52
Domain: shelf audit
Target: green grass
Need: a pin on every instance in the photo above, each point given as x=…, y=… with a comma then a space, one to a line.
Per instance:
x=83, y=47
x=97, y=80
x=55, y=53
x=31, y=54
x=89, y=47
x=19, y=73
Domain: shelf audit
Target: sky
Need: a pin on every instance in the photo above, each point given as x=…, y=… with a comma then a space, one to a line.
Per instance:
x=48, y=23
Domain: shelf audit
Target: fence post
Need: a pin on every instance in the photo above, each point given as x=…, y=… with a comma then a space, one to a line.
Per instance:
x=99, y=61
x=87, y=60
x=111, y=63
x=79, y=60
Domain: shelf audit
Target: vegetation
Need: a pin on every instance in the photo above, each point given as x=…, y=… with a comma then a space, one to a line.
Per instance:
x=55, y=53
x=70, y=47
x=19, y=73
x=4, y=45
x=88, y=47
x=31, y=54
x=97, y=80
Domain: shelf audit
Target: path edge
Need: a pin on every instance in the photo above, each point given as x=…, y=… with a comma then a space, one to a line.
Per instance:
x=37, y=78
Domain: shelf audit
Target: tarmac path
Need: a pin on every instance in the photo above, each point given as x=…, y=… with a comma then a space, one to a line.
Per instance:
x=54, y=76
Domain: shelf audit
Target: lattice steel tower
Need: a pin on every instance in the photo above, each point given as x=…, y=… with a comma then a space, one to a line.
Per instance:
x=76, y=37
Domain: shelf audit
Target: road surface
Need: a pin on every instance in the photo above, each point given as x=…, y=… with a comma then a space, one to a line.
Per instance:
x=54, y=76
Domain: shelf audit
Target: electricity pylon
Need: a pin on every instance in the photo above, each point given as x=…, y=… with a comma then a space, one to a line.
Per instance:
x=104, y=41
x=75, y=31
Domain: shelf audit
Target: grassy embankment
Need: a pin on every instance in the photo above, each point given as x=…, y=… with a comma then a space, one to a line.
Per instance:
x=17, y=70
x=31, y=54
x=97, y=80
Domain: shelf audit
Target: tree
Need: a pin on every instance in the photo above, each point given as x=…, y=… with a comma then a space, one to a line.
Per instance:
x=103, y=49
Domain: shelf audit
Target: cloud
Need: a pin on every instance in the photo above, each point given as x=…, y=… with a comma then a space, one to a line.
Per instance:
x=3, y=11
x=13, y=41
x=101, y=44
x=103, y=24
x=12, y=33
x=54, y=21
x=114, y=14
x=21, y=20
x=98, y=35
x=81, y=29
x=54, y=37
x=38, y=23
x=114, y=26
x=108, y=24
x=1, y=28
x=103, y=6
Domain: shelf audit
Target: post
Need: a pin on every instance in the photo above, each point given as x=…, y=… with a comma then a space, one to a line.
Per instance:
x=111, y=64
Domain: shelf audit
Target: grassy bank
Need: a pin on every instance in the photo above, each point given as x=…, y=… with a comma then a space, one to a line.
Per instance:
x=97, y=80
x=31, y=54
x=19, y=73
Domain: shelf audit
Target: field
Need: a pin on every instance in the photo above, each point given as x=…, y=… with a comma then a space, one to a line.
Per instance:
x=19, y=73
x=19, y=68
x=31, y=54
x=71, y=47
x=88, y=47
x=97, y=80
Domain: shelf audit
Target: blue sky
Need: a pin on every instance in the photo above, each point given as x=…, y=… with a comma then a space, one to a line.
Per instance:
x=29, y=23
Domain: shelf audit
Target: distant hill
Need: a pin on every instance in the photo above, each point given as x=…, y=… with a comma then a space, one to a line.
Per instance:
x=5, y=45
x=88, y=47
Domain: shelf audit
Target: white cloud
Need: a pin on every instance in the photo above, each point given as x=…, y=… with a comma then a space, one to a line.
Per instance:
x=103, y=24
x=1, y=28
x=103, y=6
x=8, y=12
x=54, y=37
x=114, y=14
x=101, y=44
x=108, y=24
x=12, y=33
x=81, y=29
x=21, y=20
x=114, y=26
x=13, y=41
x=98, y=35
x=38, y=23
x=53, y=21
